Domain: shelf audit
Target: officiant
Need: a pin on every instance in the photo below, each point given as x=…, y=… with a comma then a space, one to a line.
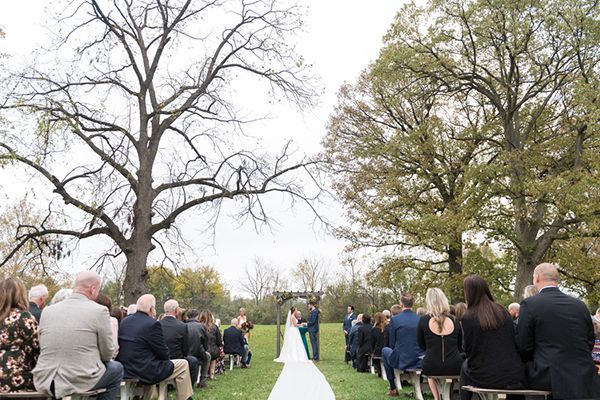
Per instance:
x=303, y=330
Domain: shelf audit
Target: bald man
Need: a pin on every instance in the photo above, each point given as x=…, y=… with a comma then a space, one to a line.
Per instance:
x=555, y=337
x=76, y=345
x=144, y=352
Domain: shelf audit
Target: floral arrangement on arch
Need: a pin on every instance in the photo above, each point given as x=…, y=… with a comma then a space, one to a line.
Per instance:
x=314, y=298
x=282, y=297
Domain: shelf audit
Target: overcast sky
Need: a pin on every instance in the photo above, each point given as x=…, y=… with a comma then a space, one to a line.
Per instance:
x=341, y=38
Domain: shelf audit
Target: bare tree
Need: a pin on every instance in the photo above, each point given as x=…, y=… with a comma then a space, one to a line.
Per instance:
x=136, y=124
x=260, y=280
x=312, y=274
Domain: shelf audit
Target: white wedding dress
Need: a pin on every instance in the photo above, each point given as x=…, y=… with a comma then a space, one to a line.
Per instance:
x=298, y=370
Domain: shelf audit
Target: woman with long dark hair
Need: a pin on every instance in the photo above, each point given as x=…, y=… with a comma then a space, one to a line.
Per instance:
x=215, y=340
x=492, y=357
x=19, y=346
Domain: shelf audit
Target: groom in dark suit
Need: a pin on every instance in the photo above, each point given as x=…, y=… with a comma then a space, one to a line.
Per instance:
x=313, y=329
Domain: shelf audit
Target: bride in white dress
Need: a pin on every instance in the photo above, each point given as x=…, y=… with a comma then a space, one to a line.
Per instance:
x=298, y=368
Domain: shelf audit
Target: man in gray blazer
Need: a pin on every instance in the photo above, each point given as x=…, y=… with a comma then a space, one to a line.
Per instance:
x=76, y=345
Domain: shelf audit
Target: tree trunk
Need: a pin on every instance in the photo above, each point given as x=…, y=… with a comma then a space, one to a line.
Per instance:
x=455, y=267
x=140, y=244
x=137, y=273
x=525, y=266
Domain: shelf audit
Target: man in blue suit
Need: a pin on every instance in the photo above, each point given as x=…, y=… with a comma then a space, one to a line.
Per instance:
x=312, y=326
x=347, y=326
x=144, y=352
x=402, y=351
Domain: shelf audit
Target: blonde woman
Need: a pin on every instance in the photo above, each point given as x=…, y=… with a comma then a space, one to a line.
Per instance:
x=529, y=291
x=441, y=338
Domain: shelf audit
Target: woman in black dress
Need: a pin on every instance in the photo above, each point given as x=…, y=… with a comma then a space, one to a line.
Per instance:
x=379, y=338
x=441, y=338
x=492, y=358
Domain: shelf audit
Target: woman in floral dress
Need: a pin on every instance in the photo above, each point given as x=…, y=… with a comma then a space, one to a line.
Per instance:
x=19, y=348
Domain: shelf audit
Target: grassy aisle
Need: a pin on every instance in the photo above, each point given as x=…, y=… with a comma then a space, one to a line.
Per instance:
x=256, y=383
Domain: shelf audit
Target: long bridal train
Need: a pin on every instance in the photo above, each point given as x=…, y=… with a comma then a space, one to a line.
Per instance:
x=298, y=370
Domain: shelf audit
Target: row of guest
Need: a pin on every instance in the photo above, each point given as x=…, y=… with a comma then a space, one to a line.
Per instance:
x=76, y=348
x=551, y=349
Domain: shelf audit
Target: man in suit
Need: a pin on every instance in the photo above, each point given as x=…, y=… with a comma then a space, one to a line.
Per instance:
x=234, y=343
x=347, y=325
x=144, y=352
x=198, y=343
x=403, y=351
x=176, y=336
x=353, y=339
x=37, y=298
x=312, y=325
x=76, y=345
x=555, y=336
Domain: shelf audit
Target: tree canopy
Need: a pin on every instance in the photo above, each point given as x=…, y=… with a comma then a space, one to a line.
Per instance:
x=131, y=120
x=478, y=120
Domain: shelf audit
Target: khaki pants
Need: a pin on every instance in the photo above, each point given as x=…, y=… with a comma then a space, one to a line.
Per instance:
x=183, y=383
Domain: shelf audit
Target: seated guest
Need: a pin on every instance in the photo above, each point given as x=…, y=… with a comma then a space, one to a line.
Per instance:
x=404, y=352
x=460, y=309
x=529, y=291
x=19, y=346
x=131, y=309
x=353, y=338
x=61, y=295
x=117, y=313
x=492, y=357
x=387, y=314
x=104, y=300
x=234, y=343
x=198, y=344
x=513, y=311
x=144, y=352
x=555, y=337
x=76, y=345
x=176, y=337
x=596, y=317
x=37, y=298
x=364, y=344
x=596, y=348
x=215, y=340
x=379, y=337
x=422, y=311
x=440, y=336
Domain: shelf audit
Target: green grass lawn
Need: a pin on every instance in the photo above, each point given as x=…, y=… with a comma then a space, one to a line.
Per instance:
x=256, y=383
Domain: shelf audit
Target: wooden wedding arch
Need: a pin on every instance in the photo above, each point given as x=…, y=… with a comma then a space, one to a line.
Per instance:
x=282, y=298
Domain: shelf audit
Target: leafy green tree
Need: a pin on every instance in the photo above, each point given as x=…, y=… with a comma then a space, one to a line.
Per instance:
x=161, y=283
x=533, y=64
x=200, y=288
x=578, y=259
x=403, y=155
